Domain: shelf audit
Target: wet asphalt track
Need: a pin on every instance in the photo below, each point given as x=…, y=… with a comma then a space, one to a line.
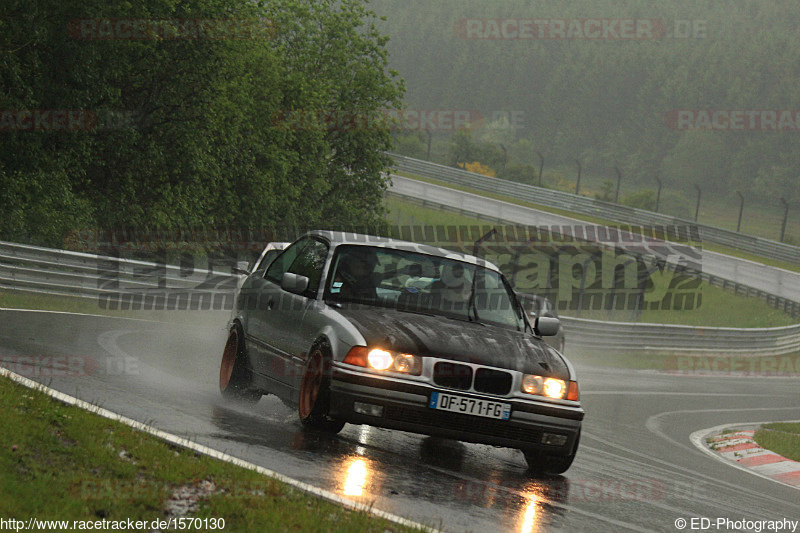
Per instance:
x=636, y=469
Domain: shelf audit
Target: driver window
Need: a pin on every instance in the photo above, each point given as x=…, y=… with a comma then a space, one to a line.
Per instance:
x=309, y=263
x=282, y=263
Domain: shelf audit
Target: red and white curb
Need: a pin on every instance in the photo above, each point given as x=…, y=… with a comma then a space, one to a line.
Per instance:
x=739, y=449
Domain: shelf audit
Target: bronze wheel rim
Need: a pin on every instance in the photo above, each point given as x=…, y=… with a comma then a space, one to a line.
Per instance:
x=312, y=382
x=228, y=360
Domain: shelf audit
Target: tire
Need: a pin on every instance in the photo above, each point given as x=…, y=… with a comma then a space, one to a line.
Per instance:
x=541, y=463
x=234, y=376
x=315, y=392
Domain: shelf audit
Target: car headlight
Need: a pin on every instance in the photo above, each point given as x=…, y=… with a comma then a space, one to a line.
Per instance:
x=550, y=387
x=384, y=360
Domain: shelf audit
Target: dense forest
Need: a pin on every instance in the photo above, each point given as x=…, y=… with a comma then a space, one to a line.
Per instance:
x=609, y=99
x=171, y=115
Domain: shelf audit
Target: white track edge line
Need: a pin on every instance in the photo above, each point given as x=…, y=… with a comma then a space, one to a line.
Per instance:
x=216, y=454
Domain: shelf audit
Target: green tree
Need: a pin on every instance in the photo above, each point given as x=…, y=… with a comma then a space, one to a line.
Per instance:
x=199, y=145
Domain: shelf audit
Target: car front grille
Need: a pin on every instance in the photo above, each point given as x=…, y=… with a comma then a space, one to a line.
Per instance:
x=463, y=377
x=492, y=381
x=452, y=375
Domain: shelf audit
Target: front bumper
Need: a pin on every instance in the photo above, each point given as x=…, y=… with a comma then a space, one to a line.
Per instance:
x=405, y=407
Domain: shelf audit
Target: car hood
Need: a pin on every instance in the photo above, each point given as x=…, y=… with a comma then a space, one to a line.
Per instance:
x=456, y=340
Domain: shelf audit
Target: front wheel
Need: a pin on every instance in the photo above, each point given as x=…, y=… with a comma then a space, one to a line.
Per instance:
x=542, y=463
x=234, y=376
x=315, y=394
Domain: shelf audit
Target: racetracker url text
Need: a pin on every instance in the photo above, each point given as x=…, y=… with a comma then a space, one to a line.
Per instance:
x=182, y=524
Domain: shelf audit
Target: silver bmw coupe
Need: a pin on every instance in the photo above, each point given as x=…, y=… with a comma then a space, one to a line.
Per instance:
x=358, y=329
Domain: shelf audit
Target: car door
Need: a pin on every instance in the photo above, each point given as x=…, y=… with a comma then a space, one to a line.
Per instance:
x=280, y=317
x=261, y=297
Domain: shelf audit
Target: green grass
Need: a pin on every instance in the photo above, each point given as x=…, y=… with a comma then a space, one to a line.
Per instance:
x=60, y=462
x=782, y=438
x=719, y=308
x=597, y=220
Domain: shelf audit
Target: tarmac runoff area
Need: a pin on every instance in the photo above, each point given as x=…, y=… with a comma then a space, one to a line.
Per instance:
x=734, y=444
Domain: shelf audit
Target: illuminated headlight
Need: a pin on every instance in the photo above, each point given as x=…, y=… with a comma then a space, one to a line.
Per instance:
x=384, y=360
x=550, y=387
x=379, y=359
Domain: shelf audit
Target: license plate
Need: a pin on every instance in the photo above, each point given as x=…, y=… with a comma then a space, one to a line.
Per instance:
x=470, y=406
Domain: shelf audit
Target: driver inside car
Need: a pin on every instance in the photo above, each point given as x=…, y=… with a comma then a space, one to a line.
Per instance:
x=354, y=275
x=454, y=287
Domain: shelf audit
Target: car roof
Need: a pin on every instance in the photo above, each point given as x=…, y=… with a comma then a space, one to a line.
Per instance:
x=337, y=238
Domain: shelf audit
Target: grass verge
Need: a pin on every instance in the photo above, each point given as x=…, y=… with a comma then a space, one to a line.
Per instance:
x=63, y=463
x=782, y=438
x=597, y=220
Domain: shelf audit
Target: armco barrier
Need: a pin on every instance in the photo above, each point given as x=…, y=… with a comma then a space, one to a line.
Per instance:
x=108, y=279
x=43, y=270
x=588, y=206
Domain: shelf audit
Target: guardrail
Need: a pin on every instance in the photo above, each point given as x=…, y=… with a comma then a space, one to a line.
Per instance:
x=139, y=285
x=115, y=283
x=586, y=335
x=588, y=206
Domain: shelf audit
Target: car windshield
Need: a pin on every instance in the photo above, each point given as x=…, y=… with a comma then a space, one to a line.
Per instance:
x=421, y=283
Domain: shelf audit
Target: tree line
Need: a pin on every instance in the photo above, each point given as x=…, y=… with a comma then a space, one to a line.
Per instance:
x=172, y=115
x=707, y=97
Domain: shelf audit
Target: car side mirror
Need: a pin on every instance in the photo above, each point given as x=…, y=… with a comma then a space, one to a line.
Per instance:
x=242, y=267
x=294, y=283
x=546, y=326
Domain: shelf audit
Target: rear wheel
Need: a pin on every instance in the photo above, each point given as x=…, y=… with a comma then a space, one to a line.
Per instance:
x=542, y=463
x=234, y=376
x=315, y=392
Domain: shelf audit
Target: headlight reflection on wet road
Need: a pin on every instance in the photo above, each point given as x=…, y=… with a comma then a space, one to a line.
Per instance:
x=528, y=523
x=356, y=475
